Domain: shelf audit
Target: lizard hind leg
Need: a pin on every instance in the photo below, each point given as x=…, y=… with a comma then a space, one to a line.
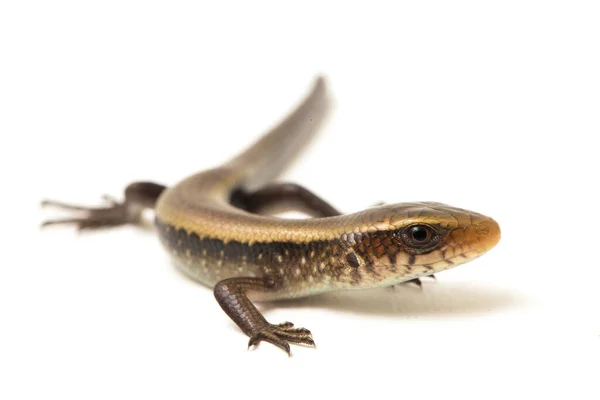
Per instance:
x=138, y=196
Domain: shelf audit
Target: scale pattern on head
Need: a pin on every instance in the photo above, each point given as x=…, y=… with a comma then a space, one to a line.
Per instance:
x=409, y=240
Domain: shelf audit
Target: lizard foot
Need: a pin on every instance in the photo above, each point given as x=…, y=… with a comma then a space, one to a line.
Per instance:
x=282, y=335
x=114, y=214
x=417, y=281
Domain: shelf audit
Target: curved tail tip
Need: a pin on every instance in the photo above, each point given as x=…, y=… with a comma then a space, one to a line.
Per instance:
x=320, y=83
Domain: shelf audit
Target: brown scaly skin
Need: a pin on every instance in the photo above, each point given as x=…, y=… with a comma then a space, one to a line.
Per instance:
x=217, y=227
x=353, y=260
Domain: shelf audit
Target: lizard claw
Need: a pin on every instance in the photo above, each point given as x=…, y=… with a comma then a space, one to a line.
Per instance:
x=416, y=281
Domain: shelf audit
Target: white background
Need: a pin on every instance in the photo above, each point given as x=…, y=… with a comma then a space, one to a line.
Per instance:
x=491, y=106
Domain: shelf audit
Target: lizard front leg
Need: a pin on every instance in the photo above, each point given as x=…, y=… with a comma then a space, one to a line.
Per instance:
x=281, y=197
x=231, y=294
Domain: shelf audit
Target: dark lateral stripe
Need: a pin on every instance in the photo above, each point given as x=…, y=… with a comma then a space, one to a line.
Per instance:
x=267, y=254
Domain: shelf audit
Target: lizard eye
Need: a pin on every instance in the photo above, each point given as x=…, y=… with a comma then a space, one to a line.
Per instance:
x=420, y=236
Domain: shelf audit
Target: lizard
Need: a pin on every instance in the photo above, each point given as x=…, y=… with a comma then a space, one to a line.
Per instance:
x=222, y=229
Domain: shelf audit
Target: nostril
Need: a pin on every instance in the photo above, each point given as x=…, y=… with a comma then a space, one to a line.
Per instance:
x=483, y=229
x=489, y=231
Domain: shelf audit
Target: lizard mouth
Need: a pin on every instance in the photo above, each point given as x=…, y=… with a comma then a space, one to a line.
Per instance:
x=477, y=238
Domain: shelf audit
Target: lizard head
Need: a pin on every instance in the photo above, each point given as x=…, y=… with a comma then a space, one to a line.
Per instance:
x=409, y=240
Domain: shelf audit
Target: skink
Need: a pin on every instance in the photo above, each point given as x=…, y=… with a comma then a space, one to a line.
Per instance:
x=220, y=228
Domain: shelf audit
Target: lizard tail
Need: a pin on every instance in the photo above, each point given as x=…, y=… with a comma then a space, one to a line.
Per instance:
x=273, y=152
